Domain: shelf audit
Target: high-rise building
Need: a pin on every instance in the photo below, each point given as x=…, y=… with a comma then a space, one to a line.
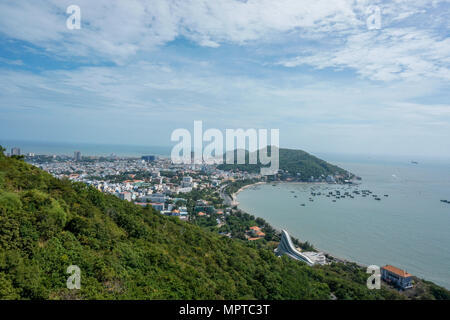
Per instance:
x=148, y=158
x=125, y=196
x=77, y=156
x=187, y=182
x=15, y=151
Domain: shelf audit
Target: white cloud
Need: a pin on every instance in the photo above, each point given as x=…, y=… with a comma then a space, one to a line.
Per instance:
x=17, y=62
x=151, y=99
x=151, y=89
x=119, y=30
x=386, y=55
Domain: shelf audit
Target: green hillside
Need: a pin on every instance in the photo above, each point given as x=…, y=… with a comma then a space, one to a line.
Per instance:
x=128, y=252
x=296, y=163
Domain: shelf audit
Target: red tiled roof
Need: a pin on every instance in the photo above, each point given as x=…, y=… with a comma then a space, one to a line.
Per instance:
x=141, y=203
x=397, y=271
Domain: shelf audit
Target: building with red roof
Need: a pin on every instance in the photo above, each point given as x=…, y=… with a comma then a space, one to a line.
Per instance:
x=397, y=277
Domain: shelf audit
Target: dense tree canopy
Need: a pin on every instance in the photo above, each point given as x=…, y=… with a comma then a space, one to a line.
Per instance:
x=294, y=163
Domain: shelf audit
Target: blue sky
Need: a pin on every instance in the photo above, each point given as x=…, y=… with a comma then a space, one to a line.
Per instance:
x=137, y=70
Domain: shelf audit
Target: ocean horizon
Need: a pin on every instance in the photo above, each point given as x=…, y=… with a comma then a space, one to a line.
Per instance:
x=86, y=149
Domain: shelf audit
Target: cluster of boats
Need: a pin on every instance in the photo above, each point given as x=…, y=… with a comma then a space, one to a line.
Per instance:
x=337, y=194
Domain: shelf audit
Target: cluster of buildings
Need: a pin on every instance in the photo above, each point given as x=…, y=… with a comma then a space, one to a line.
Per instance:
x=203, y=208
x=147, y=181
x=15, y=151
x=391, y=275
x=255, y=233
x=284, y=175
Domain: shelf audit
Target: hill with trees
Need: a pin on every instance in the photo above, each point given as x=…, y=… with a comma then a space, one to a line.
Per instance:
x=296, y=164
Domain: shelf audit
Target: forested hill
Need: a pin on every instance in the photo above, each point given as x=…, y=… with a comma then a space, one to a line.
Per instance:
x=125, y=251
x=296, y=163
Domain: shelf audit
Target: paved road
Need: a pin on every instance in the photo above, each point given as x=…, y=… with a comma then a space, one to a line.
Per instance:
x=226, y=198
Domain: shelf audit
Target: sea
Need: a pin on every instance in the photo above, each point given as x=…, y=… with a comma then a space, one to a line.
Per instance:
x=86, y=149
x=408, y=228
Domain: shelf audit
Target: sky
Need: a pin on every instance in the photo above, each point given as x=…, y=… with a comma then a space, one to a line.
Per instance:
x=338, y=76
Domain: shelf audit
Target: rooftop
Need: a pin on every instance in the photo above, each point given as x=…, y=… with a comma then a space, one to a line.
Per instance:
x=397, y=271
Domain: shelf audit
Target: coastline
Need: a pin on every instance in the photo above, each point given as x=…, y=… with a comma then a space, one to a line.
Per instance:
x=234, y=195
x=334, y=257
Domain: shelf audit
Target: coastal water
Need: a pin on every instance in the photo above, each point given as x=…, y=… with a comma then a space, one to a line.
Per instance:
x=86, y=149
x=409, y=229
